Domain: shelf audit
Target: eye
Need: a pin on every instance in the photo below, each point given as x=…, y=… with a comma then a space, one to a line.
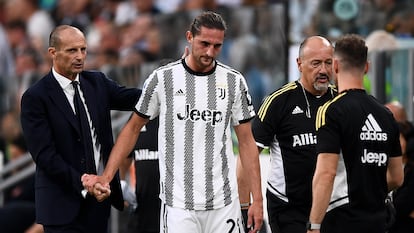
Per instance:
x=316, y=63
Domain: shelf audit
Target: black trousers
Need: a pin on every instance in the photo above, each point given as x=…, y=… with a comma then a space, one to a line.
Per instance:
x=286, y=218
x=93, y=218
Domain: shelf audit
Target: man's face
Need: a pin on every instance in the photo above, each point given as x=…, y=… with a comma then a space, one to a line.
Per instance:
x=69, y=56
x=205, y=47
x=316, y=68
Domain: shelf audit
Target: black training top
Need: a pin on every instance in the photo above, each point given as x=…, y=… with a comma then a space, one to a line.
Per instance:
x=364, y=134
x=283, y=126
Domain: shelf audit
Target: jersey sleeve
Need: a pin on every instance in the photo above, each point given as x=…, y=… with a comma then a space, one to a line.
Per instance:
x=243, y=110
x=148, y=103
x=328, y=130
x=265, y=123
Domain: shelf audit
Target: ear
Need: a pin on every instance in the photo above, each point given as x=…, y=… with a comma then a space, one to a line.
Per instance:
x=299, y=64
x=189, y=36
x=52, y=51
x=367, y=65
x=335, y=67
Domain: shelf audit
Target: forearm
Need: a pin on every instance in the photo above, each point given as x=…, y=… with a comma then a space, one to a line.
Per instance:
x=395, y=173
x=322, y=185
x=250, y=173
x=322, y=190
x=124, y=145
x=243, y=184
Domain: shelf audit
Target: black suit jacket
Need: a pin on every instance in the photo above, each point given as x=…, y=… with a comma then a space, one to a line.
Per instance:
x=53, y=137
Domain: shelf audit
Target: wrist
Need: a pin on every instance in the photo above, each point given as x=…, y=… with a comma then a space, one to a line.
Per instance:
x=245, y=205
x=312, y=226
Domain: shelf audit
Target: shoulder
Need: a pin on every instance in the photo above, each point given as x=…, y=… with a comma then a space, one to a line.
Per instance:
x=334, y=103
x=92, y=74
x=336, y=109
x=41, y=85
x=226, y=68
x=279, y=100
x=281, y=93
x=169, y=66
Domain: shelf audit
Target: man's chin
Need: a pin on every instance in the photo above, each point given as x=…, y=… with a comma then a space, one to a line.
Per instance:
x=322, y=87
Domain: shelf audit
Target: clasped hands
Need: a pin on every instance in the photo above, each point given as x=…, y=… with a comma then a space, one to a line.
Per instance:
x=96, y=186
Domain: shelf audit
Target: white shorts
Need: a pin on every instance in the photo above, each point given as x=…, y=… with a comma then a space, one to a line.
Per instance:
x=225, y=220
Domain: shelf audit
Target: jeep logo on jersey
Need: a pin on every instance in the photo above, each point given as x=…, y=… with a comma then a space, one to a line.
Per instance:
x=304, y=139
x=207, y=115
x=374, y=158
x=371, y=131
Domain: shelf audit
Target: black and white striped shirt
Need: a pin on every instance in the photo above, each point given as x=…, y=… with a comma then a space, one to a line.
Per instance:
x=196, y=112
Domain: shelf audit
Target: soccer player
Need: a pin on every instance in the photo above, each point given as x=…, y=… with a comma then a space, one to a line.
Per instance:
x=197, y=100
x=359, y=153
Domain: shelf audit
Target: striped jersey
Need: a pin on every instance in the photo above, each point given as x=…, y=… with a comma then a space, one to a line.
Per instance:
x=285, y=123
x=364, y=134
x=196, y=112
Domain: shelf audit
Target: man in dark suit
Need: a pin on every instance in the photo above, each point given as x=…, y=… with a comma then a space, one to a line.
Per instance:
x=58, y=143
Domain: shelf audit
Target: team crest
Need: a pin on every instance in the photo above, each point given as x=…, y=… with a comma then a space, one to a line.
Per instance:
x=221, y=92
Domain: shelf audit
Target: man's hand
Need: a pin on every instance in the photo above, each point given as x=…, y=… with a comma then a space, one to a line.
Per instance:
x=88, y=181
x=101, y=192
x=255, y=217
x=96, y=186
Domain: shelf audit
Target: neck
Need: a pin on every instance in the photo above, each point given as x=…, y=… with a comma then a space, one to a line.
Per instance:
x=349, y=81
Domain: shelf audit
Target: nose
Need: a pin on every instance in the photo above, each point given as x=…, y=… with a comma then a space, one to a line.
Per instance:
x=80, y=54
x=210, y=51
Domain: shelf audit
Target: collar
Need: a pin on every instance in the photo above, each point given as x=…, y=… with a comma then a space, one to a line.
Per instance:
x=62, y=80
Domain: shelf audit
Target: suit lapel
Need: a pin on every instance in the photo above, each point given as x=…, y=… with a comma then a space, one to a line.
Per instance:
x=59, y=98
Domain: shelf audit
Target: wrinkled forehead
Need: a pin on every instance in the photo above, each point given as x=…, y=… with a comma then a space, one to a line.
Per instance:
x=318, y=53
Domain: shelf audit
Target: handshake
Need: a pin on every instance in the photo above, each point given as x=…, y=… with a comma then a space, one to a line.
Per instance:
x=96, y=186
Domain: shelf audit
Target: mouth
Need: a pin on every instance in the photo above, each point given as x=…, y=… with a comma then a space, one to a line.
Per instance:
x=78, y=65
x=322, y=79
x=206, y=59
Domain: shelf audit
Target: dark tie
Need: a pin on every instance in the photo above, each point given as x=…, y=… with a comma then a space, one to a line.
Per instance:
x=85, y=129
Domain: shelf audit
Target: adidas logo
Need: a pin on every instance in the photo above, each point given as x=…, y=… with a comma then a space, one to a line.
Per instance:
x=180, y=92
x=297, y=110
x=371, y=131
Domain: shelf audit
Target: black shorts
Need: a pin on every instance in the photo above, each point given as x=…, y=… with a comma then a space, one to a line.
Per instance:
x=284, y=217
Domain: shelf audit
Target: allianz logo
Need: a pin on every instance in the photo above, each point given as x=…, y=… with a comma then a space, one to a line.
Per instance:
x=207, y=115
x=374, y=158
x=371, y=131
x=304, y=139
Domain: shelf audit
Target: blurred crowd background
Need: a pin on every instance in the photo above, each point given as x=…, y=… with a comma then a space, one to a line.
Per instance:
x=127, y=39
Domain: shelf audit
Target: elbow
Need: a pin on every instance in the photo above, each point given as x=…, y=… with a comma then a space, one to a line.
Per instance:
x=399, y=181
x=395, y=182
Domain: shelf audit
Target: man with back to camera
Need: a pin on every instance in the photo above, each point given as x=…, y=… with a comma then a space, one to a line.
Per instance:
x=359, y=153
